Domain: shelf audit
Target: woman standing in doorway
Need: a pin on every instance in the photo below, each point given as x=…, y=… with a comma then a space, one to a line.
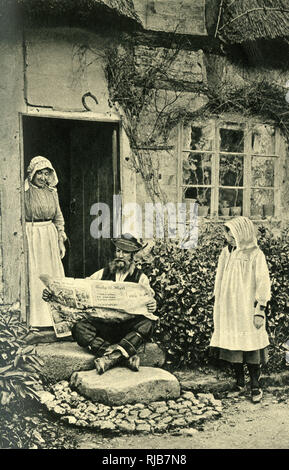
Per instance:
x=45, y=234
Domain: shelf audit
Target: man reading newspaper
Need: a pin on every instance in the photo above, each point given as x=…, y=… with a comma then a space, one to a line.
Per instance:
x=115, y=342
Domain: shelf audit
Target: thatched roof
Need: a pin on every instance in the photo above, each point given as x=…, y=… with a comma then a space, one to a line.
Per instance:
x=84, y=9
x=122, y=7
x=249, y=20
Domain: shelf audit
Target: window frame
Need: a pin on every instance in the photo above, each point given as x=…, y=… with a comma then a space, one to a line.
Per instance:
x=247, y=126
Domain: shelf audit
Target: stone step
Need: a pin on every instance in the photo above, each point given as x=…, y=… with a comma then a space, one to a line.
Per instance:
x=44, y=335
x=121, y=386
x=61, y=359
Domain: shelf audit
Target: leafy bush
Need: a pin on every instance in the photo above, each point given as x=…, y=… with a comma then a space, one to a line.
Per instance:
x=275, y=245
x=19, y=363
x=183, y=281
x=15, y=431
x=19, y=367
x=28, y=425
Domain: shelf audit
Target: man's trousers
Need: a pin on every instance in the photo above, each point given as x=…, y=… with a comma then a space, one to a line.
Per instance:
x=97, y=335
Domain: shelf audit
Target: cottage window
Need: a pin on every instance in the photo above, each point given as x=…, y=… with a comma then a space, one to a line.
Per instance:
x=230, y=168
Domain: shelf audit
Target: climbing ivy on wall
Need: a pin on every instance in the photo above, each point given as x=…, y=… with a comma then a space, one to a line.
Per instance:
x=150, y=111
x=260, y=98
x=137, y=95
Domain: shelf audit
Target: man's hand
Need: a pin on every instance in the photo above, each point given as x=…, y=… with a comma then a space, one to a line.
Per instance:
x=151, y=306
x=47, y=295
x=258, y=321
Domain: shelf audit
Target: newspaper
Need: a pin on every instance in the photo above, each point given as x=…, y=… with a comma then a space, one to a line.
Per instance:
x=75, y=299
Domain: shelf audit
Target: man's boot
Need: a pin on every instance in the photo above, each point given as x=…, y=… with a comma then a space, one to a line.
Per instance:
x=106, y=362
x=133, y=363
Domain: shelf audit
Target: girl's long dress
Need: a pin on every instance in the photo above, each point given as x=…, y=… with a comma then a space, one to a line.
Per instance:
x=44, y=227
x=242, y=278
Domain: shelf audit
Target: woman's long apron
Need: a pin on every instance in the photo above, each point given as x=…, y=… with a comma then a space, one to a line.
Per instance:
x=43, y=258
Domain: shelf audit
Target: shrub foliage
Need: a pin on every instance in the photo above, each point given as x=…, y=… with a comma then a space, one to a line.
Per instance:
x=275, y=245
x=19, y=378
x=183, y=281
x=19, y=364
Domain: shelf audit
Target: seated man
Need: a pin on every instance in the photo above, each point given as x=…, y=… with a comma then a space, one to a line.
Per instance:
x=116, y=343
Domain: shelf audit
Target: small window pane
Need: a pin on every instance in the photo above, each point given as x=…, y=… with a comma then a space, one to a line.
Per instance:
x=231, y=140
x=263, y=140
x=197, y=168
x=198, y=137
x=262, y=203
x=200, y=195
x=230, y=202
x=231, y=170
x=263, y=171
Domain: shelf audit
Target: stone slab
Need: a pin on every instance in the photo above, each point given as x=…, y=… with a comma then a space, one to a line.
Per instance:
x=213, y=382
x=207, y=384
x=151, y=355
x=45, y=336
x=61, y=359
x=120, y=386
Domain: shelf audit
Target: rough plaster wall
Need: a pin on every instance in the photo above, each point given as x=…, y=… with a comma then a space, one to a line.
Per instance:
x=284, y=179
x=181, y=16
x=165, y=161
x=166, y=103
x=1, y=263
x=128, y=175
x=221, y=70
x=164, y=165
x=11, y=98
x=186, y=68
x=62, y=65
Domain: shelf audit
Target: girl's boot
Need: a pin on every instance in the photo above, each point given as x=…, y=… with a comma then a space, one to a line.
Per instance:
x=255, y=372
x=240, y=377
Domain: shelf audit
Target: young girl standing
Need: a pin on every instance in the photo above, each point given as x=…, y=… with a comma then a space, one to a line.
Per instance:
x=242, y=290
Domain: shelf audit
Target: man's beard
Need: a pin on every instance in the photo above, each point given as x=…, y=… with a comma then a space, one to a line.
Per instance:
x=119, y=265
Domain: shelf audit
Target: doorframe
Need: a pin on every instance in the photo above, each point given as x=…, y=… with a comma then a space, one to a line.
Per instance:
x=112, y=118
x=73, y=115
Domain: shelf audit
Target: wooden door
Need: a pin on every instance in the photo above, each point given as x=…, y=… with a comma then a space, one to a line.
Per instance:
x=93, y=170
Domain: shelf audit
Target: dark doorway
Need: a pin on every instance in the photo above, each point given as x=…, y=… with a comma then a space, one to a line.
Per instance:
x=86, y=158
